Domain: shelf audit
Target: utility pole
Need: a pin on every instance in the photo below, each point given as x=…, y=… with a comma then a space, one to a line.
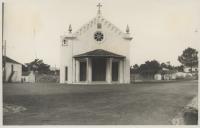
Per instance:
x=3, y=46
x=2, y=25
x=2, y=28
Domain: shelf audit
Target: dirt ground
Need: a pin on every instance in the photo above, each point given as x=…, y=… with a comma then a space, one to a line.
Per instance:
x=61, y=104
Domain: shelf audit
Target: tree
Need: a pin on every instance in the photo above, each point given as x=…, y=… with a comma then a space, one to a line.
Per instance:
x=135, y=68
x=179, y=68
x=38, y=65
x=168, y=66
x=150, y=68
x=189, y=58
x=25, y=68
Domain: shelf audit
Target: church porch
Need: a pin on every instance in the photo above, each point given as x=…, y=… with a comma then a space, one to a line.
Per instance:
x=99, y=67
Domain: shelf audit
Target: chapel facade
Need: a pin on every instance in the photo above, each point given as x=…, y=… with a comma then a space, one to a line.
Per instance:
x=97, y=53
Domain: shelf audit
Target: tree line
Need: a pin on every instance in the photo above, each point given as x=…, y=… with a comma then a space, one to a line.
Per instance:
x=188, y=58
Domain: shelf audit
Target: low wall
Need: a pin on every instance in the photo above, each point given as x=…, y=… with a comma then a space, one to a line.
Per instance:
x=138, y=77
x=45, y=78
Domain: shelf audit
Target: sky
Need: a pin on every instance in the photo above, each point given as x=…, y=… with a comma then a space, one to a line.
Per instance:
x=161, y=29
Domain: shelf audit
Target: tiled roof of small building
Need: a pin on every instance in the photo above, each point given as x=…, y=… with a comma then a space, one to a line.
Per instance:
x=167, y=71
x=7, y=59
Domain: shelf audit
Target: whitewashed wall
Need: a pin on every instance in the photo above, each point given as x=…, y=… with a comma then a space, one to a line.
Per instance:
x=17, y=68
x=84, y=42
x=30, y=78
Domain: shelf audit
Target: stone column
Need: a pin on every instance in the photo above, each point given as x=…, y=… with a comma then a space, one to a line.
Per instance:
x=77, y=71
x=109, y=70
x=74, y=70
x=121, y=71
x=89, y=70
x=128, y=70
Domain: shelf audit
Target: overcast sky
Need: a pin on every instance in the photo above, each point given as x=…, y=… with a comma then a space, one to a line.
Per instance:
x=161, y=29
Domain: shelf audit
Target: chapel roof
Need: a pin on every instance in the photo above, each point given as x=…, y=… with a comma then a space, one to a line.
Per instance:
x=94, y=21
x=97, y=19
x=99, y=53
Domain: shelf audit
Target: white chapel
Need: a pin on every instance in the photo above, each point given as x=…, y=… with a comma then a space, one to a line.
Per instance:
x=97, y=53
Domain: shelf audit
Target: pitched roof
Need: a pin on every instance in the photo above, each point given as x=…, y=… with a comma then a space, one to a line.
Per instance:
x=94, y=21
x=7, y=59
x=167, y=71
x=99, y=53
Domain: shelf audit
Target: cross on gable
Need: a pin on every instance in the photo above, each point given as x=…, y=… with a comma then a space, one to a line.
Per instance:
x=99, y=6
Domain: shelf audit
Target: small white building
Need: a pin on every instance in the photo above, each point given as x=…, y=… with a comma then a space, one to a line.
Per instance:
x=189, y=69
x=98, y=52
x=180, y=75
x=28, y=77
x=12, y=71
x=165, y=74
x=158, y=76
x=169, y=76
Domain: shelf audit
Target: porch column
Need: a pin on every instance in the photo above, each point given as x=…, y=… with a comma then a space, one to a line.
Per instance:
x=74, y=70
x=109, y=70
x=77, y=71
x=89, y=70
x=121, y=71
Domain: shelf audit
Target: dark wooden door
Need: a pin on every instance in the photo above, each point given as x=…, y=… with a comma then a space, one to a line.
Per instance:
x=115, y=71
x=83, y=71
x=98, y=69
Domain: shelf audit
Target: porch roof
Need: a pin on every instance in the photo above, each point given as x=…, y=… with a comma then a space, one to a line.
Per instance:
x=99, y=53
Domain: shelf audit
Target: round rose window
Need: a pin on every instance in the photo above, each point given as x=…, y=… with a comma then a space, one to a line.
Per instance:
x=98, y=36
